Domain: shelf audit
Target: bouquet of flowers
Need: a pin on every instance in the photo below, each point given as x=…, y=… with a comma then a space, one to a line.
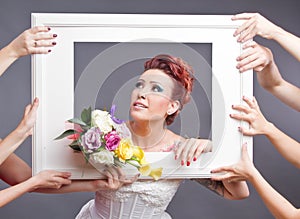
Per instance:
x=105, y=139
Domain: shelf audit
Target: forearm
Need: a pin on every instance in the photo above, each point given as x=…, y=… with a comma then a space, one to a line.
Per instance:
x=75, y=186
x=288, y=41
x=7, y=57
x=286, y=146
x=13, y=192
x=275, y=202
x=233, y=190
x=9, y=144
x=270, y=79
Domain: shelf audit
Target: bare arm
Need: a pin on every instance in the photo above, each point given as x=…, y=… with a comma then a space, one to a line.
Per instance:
x=37, y=40
x=256, y=24
x=228, y=190
x=245, y=170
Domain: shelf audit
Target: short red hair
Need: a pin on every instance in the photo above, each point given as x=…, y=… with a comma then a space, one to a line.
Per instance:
x=179, y=70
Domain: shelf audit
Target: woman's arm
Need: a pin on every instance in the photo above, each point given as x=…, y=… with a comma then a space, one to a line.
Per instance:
x=37, y=40
x=228, y=190
x=245, y=170
x=256, y=24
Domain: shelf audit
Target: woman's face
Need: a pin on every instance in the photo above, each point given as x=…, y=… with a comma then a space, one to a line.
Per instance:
x=151, y=97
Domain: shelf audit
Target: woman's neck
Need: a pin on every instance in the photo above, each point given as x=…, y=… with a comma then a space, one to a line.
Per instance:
x=146, y=134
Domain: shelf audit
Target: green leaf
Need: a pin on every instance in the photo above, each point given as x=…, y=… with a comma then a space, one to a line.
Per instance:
x=86, y=116
x=77, y=121
x=75, y=147
x=65, y=134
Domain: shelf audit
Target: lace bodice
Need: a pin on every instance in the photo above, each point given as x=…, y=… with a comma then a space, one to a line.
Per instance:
x=142, y=199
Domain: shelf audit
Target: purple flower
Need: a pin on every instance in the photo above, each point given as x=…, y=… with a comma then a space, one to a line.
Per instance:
x=112, y=140
x=91, y=140
x=112, y=114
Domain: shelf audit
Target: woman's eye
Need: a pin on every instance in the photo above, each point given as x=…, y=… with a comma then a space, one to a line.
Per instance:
x=157, y=88
x=139, y=85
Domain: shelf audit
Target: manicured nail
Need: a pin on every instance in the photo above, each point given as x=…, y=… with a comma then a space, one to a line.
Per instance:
x=49, y=50
x=182, y=163
x=188, y=163
x=54, y=35
x=176, y=157
x=53, y=43
x=195, y=158
x=49, y=28
x=239, y=128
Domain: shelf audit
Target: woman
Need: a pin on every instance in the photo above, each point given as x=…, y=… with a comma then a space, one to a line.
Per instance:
x=159, y=95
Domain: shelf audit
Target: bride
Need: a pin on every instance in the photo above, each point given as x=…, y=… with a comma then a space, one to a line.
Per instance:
x=158, y=97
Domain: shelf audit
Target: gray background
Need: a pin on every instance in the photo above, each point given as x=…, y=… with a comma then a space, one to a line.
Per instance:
x=191, y=201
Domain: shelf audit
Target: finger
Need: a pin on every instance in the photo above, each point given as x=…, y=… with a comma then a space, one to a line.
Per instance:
x=245, y=154
x=242, y=16
x=242, y=28
x=44, y=36
x=249, y=32
x=44, y=43
x=40, y=50
x=250, y=102
x=241, y=117
x=38, y=29
x=132, y=179
x=188, y=145
x=221, y=169
x=241, y=108
x=250, y=44
x=27, y=109
x=63, y=174
x=179, y=149
x=247, y=131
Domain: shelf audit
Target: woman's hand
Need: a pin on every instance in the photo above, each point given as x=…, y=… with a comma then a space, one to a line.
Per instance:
x=191, y=149
x=252, y=115
x=254, y=57
x=240, y=171
x=50, y=179
x=37, y=40
x=255, y=24
x=26, y=125
x=115, y=178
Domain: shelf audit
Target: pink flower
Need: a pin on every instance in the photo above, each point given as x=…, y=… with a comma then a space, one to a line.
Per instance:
x=112, y=140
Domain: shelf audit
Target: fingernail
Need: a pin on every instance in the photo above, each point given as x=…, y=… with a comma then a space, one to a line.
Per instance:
x=49, y=50
x=188, y=163
x=239, y=128
x=232, y=106
x=54, y=35
x=53, y=43
x=182, y=163
x=176, y=157
x=49, y=28
x=230, y=115
x=195, y=158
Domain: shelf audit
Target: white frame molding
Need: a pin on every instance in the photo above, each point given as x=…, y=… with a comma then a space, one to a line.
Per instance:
x=53, y=83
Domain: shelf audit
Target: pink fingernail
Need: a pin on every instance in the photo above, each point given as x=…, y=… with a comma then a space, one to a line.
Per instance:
x=188, y=163
x=182, y=163
x=176, y=157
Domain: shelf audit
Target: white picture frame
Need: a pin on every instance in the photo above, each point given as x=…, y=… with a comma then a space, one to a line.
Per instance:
x=53, y=83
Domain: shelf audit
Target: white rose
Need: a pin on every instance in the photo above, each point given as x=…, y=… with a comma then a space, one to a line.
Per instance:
x=102, y=120
x=102, y=157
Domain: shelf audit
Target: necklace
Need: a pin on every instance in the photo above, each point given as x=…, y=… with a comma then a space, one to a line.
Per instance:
x=157, y=142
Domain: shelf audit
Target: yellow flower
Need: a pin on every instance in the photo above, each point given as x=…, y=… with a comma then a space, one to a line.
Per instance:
x=156, y=173
x=145, y=170
x=125, y=150
x=139, y=154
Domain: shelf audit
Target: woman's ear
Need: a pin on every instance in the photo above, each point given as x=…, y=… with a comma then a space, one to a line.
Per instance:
x=173, y=107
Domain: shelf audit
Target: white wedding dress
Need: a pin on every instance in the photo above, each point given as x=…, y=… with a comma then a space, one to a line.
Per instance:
x=145, y=199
